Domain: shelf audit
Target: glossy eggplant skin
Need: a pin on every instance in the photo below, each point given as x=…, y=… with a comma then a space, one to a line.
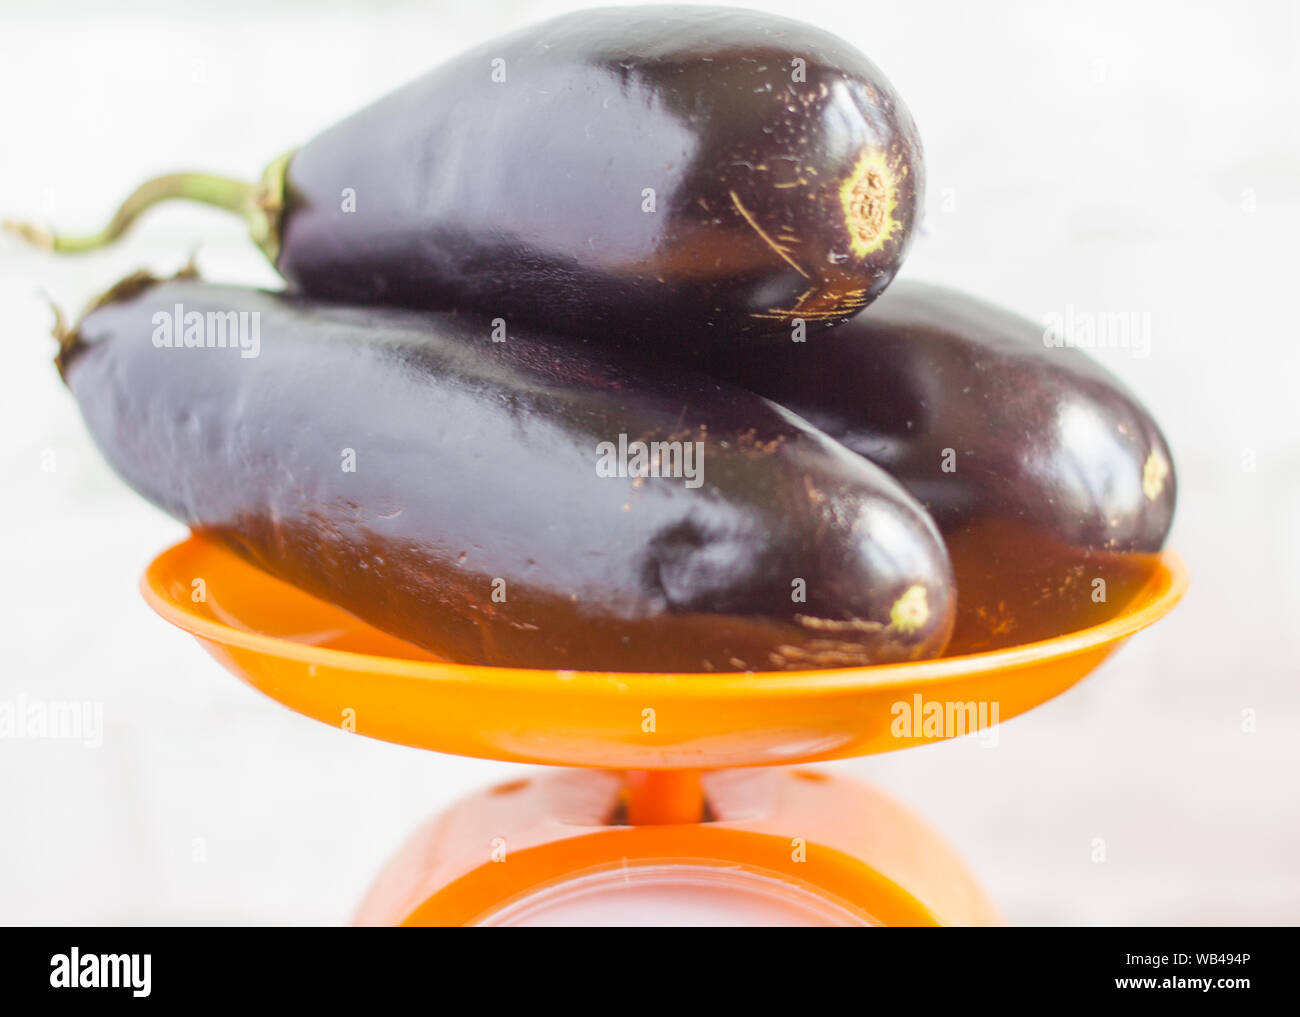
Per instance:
x=672, y=175
x=1041, y=469
x=474, y=520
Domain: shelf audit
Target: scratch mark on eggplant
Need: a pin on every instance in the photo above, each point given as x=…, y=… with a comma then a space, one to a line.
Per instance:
x=781, y=251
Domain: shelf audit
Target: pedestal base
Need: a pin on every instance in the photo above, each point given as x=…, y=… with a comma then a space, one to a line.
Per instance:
x=772, y=847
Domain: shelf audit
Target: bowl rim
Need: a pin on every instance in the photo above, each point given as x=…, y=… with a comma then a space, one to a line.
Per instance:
x=1157, y=598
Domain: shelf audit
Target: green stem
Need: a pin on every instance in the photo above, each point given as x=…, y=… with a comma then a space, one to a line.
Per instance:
x=259, y=204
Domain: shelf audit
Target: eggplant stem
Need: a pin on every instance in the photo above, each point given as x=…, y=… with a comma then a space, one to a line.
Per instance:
x=259, y=204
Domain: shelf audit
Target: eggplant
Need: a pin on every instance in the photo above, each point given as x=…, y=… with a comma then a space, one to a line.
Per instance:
x=1042, y=471
x=672, y=175
x=534, y=502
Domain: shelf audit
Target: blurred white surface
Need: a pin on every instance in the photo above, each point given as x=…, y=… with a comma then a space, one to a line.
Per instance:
x=1106, y=156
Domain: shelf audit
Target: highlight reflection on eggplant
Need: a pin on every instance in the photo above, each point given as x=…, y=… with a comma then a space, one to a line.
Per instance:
x=1043, y=472
x=448, y=488
x=676, y=174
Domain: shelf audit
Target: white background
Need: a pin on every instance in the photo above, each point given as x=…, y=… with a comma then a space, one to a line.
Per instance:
x=1113, y=156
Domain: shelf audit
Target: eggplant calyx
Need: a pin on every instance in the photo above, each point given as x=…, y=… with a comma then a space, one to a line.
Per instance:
x=267, y=212
x=69, y=336
x=66, y=336
x=260, y=205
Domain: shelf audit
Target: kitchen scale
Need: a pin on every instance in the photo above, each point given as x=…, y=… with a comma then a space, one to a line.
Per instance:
x=678, y=799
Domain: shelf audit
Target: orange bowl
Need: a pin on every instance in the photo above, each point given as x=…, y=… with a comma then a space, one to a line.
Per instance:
x=322, y=662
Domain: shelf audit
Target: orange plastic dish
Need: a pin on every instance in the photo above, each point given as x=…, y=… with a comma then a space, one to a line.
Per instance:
x=324, y=663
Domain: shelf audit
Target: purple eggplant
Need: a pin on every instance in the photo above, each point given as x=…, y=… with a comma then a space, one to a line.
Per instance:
x=673, y=175
x=1043, y=472
x=532, y=502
